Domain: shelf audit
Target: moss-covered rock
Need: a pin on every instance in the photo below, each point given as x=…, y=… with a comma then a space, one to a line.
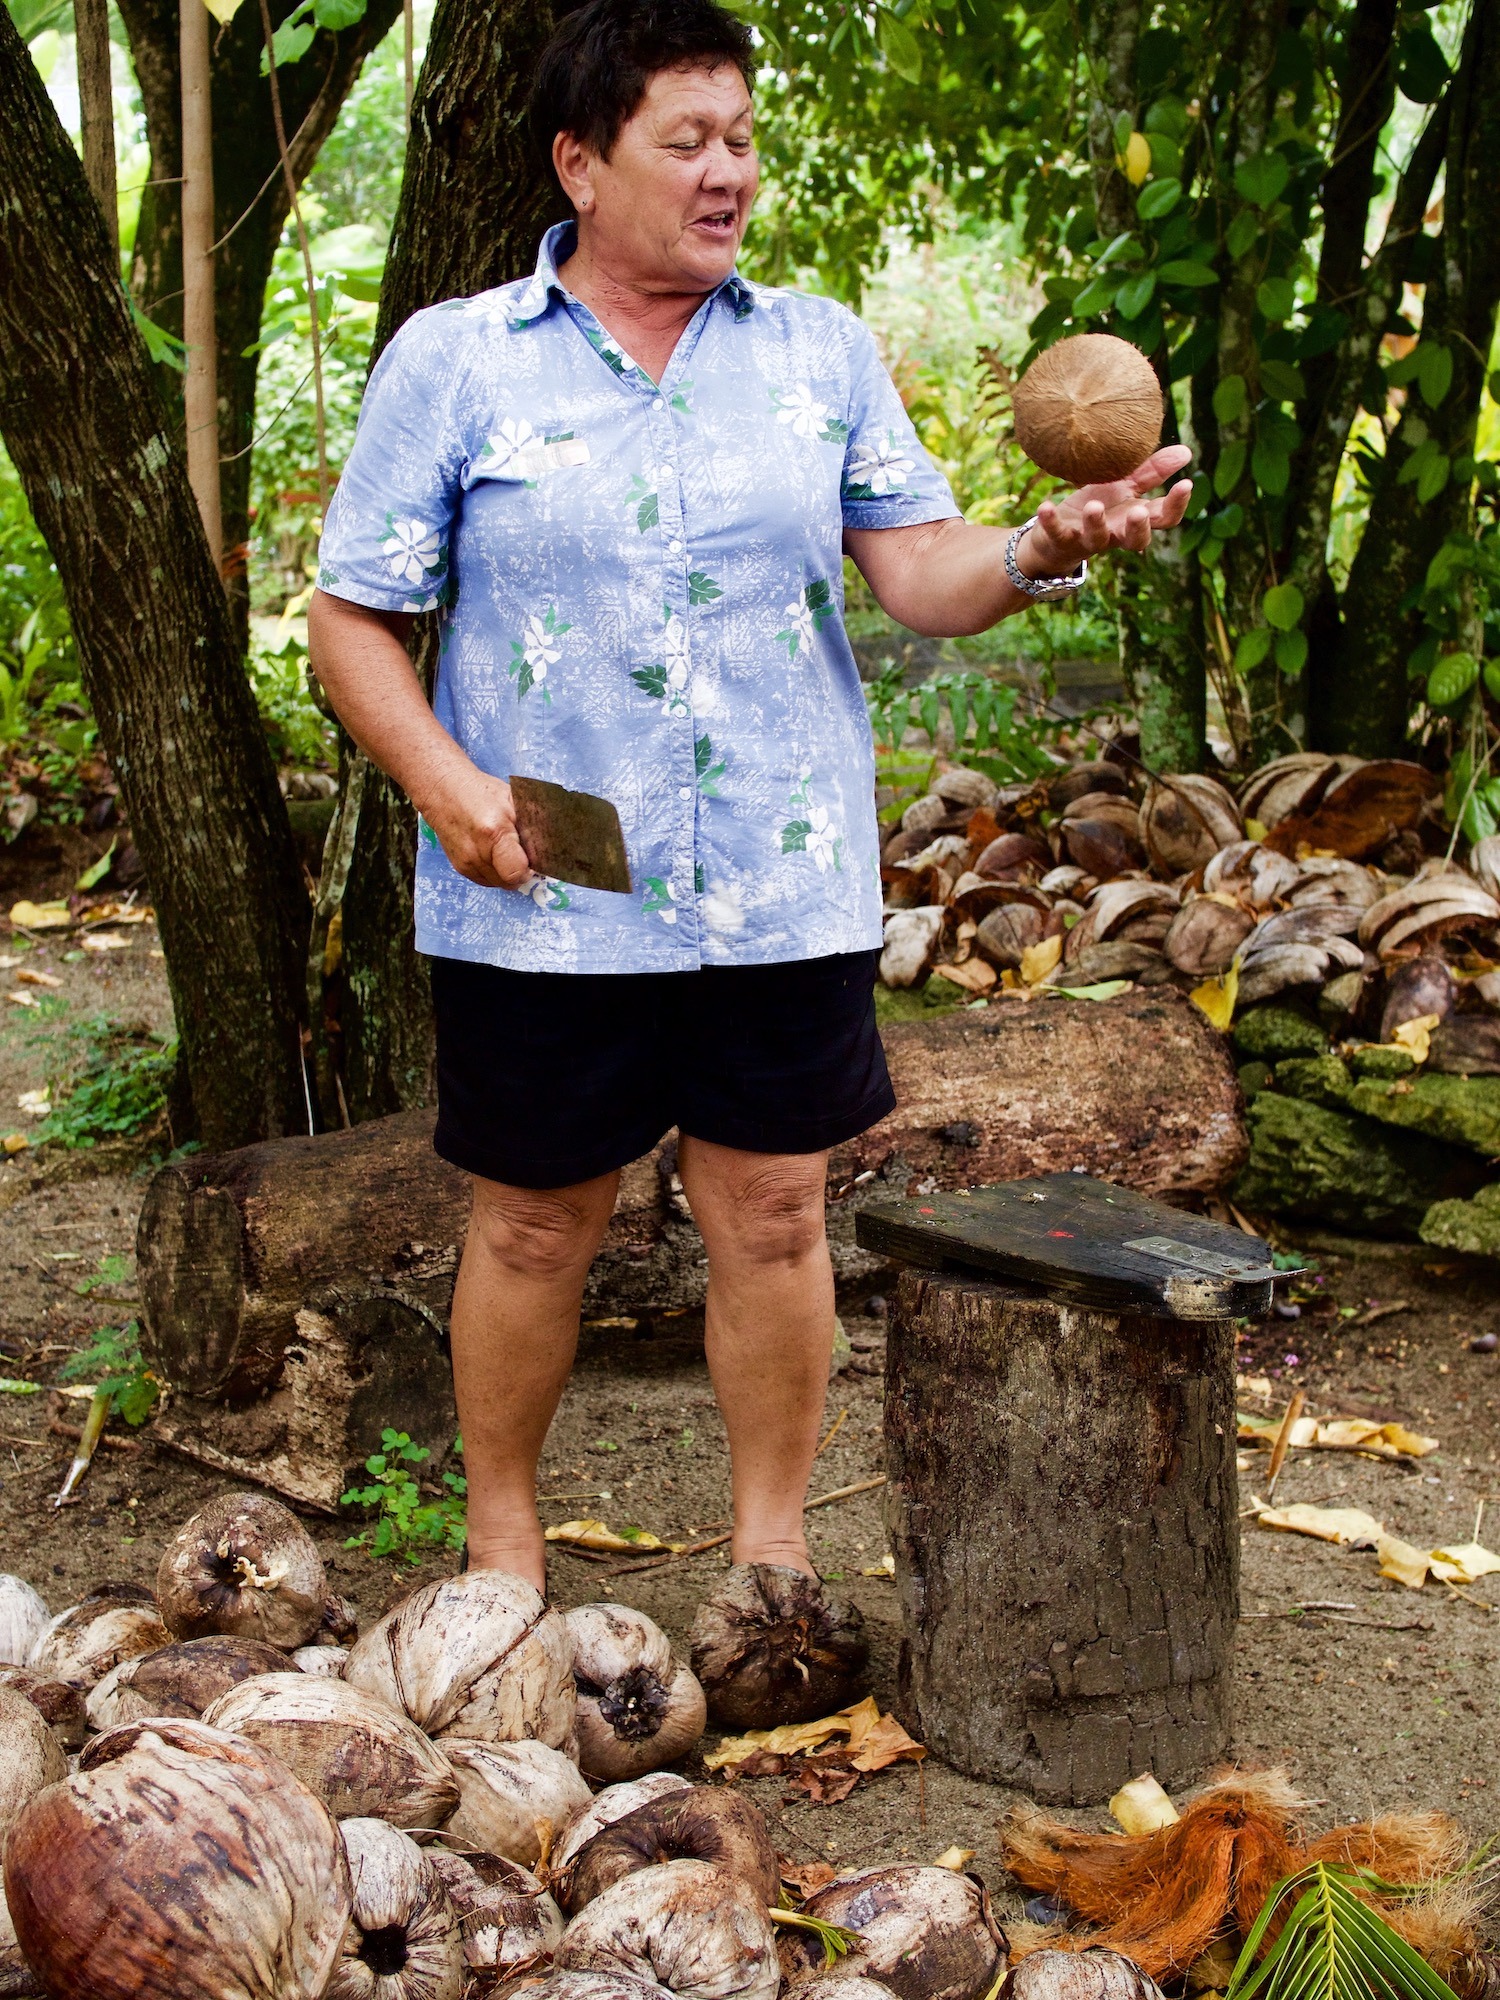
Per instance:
x=1381, y=1062
x=1270, y=1033
x=1466, y=1225
x=1254, y=1076
x=1323, y=1165
x=1315, y=1079
x=1458, y=1110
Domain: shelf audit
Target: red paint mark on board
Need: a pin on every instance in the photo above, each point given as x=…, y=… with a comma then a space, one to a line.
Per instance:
x=1059, y=1232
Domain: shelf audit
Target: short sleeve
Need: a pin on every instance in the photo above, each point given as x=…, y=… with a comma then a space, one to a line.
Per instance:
x=385, y=540
x=889, y=480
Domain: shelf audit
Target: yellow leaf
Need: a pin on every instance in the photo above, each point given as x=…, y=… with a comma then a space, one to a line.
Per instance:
x=956, y=1858
x=1215, y=998
x=885, y=1744
x=1255, y=829
x=40, y=916
x=1135, y=161
x=974, y=975
x=1416, y=1036
x=1037, y=960
x=874, y=1739
x=1142, y=1806
x=223, y=11
x=1350, y=1527
x=1402, y=1562
x=591, y=1534
x=1464, y=1564
x=15, y=1142
x=27, y=977
x=1409, y=1443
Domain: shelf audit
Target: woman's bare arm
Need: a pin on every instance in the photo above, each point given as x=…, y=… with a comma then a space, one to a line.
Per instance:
x=360, y=657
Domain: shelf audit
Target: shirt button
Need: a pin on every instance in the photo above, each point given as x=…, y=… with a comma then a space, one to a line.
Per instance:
x=674, y=548
x=684, y=791
x=669, y=472
x=659, y=404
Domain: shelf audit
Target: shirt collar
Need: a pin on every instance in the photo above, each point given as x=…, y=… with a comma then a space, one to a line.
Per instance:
x=543, y=286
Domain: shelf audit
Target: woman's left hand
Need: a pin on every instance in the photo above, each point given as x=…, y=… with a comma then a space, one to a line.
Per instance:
x=1116, y=516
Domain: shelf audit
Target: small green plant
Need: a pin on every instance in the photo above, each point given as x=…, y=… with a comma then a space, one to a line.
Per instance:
x=406, y=1524
x=112, y=1272
x=113, y=1362
x=120, y=1086
x=1331, y=1946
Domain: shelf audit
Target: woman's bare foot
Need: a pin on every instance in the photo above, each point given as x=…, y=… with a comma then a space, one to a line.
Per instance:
x=517, y=1553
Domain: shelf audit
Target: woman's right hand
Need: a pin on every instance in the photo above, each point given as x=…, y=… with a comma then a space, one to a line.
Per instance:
x=474, y=818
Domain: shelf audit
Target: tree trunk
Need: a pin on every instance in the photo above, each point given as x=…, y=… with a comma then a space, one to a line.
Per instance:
x=466, y=155
x=246, y=177
x=1367, y=699
x=96, y=109
x=200, y=395
x=83, y=424
x=1062, y=1508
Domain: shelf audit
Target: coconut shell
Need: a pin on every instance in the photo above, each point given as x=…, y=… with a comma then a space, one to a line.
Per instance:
x=1205, y=935
x=178, y=1860
x=770, y=1645
x=609, y=1805
x=17, y=1980
x=698, y=1930
x=473, y=1655
x=926, y=1933
x=1014, y=857
x=1080, y=779
x=30, y=1756
x=113, y=1623
x=911, y=945
x=1088, y=409
x=179, y=1680
x=59, y=1704
x=403, y=1939
x=244, y=1565
x=326, y=1661
x=1007, y=932
x=704, y=1823
x=1185, y=821
x=969, y=791
x=24, y=1617
x=925, y=815
x=1467, y=1045
x=1099, y=847
x=513, y=1798
x=1092, y=1974
x=1425, y=986
x=507, y=1920
x=362, y=1756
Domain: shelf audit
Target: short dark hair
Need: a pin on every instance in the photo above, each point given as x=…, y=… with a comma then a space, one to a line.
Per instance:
x=595, y=70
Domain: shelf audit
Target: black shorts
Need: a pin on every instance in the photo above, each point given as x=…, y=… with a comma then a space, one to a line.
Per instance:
x=546, y=1079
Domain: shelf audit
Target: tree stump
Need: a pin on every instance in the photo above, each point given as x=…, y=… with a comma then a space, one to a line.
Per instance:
x=1063, y=1510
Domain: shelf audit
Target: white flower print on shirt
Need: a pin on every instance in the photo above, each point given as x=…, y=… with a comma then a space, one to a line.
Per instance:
x=412, y=549
x=536, y=650
x=812, y=830
x=878, y=469
x=808, y=418
x=658, y=900
x=806, y=615
x=667, y=678
x=512, y=450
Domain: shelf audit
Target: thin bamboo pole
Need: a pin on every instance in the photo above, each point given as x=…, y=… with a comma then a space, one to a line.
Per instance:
x=96, y=107
x=408, y=50
x=201, y=388
x=290, y=180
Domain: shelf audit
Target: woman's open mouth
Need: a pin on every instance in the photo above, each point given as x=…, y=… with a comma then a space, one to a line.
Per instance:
x=722, y=223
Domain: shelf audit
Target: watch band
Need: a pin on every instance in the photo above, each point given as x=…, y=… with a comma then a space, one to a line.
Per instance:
x=1040, y=586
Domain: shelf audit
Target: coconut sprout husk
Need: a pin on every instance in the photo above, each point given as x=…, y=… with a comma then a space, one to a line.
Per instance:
x=244, y=1565
x=702, y=1823
x=363, y=1758
x=770, y=1645
x=638, y=1707
x=30, y=1757
x=326, y=1661
x=513, y=1798
x=115, y=1622
x=178, y=1860
x=59, y=1703
x=181, y=1679
x=24, y=1617
x=925, y=1933
x=701, y=1931
x=1088, y=409
x=403, y=1940
x=613, y=1803
x=508, y=1923
x=1092, y=1974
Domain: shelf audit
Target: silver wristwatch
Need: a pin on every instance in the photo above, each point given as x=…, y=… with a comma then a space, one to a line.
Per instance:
x=1043, y=587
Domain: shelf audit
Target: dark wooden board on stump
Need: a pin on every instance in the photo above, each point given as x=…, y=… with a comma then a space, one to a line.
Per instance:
x=1062, y=1507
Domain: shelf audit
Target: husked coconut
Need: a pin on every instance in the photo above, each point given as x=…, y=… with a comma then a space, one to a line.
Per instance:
x=926, y=1933
x=179, y=1680
x=17, y=1980
x=588, y=1986
x=507, y=1921
x=1099, y=846
x=609, y=1805
x=1424, y=986
x=361, y=1755
x=113, y=1623
x=178, y=1861
x=1484, y=863
x=638, y=1707
x=513, y=1798
x=339, y=1624
x=1185, y=821
x=698, y=1930
x=970, y=791
x=1205, y=936
x=703, y=1823
x=243, y=1565
x=403, y=1939
x=770, y=1645
x=1008, y=932
x=24, y=1617
x=325, y=1660
x=1088, y=408
x=473, y=1655
x=911, y=942
x=30, y=1756
x=1091, y=1974
x=836, y=1985
x=59, y=1703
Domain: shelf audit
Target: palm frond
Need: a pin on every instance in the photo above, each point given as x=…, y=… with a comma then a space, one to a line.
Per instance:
x=1331, y=1945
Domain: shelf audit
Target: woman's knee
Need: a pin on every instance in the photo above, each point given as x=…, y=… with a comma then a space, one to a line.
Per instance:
x=770, y=1214
x=540, y=1232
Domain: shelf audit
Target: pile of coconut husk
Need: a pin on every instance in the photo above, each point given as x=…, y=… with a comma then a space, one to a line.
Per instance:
x=1319, y=911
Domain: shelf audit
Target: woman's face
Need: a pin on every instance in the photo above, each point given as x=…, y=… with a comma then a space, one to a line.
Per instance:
x=667, y=210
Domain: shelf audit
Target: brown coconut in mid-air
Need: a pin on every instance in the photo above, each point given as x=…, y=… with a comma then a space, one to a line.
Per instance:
x=1088, y=409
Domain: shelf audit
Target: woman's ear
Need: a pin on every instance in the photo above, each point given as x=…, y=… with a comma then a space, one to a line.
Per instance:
x=573, y=162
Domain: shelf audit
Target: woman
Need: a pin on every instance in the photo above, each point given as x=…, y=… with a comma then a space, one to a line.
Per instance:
x=626, y=484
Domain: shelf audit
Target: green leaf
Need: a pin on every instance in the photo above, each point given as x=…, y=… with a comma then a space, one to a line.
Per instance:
x=1096, y=297
x=1187, y=271
x=1492, y=679
x=95, y=873
x=1277, y=298
x=1493, y=385
x=336, y=15
x=899, y=46
x=1240, y=237
x=1262, y=179
x=1452, y=678
x=1291, y=652
x=1478, y=821
x=1434, y=372
x=1228, y=522
x=1283, y=380
x=291, y=42
x=1270, y=467
x=1230, y=469
x=165, y=349
x=1283, y=606
x=1252, y=648
x=1433, y=477
x=1133, y=297
x=1421, y=67
x=1230, y=399
x=1157, y=198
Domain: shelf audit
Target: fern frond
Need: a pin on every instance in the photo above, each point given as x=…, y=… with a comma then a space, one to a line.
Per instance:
x=1332, y=1946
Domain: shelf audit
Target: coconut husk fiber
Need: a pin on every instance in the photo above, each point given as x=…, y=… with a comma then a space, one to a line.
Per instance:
x=1162, y=1898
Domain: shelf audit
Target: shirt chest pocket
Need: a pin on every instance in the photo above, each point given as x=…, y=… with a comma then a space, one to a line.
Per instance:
x=517, y=454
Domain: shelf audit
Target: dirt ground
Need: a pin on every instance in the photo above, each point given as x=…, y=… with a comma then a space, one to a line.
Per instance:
x=1374, y=1695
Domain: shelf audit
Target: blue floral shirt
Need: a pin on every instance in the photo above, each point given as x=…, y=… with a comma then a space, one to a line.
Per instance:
x=642, y=594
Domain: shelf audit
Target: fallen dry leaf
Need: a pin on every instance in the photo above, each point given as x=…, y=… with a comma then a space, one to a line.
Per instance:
x=23, y=999
x=872, y=1741
x=591, y=1534
x=1415, y=1036
x=106, y=941
x=15, y=1142
x=825, y=1784
x=1390, y=1440
x=27, y=976
x=40, y=916
x=1037, y=960
x=974, y=975
x=1464, y=1564
x=805, y=1878
x=1215, y=998
x=1142, y=1806
x=1402, y=1561
x=887, y=1743
x=956, y=1858
x=1350, y=1527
